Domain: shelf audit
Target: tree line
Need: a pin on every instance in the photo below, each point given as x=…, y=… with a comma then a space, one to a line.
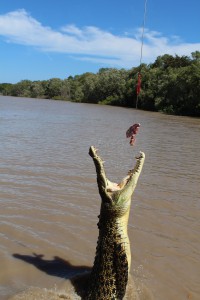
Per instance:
x=171, y=84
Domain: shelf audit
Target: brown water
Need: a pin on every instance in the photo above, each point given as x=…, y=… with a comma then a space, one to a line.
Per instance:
x=49, y=199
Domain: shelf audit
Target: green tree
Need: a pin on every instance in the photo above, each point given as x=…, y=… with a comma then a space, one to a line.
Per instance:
x=21, y=89
x=53, y=88
x=89, y=84
x=65, y=92
x=37, y=89
x=188, y=91
x=5, y=88
x=76, y=89
x=196, y=56
x=111, y=85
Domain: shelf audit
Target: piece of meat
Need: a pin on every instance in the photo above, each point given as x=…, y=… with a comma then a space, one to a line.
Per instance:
x=131, y=133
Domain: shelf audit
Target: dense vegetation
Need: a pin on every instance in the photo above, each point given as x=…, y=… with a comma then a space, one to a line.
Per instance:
x=171, y=84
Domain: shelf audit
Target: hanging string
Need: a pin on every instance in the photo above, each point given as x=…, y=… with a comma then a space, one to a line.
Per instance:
x=143, y=28
x=141, y=51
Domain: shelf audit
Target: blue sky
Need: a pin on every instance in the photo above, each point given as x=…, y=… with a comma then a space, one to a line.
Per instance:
x=44, y=39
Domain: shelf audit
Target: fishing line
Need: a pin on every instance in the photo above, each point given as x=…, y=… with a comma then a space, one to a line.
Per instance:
x=141, y=51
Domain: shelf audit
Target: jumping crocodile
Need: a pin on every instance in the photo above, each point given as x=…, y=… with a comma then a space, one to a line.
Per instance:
x=109, y=275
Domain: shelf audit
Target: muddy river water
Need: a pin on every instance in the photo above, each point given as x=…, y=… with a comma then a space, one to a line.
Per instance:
x=49, y=200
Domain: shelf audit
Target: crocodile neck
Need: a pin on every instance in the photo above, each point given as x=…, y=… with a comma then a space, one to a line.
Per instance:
x=109, y=274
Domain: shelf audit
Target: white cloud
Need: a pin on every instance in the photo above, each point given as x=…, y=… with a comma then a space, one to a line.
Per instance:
x=90, y=43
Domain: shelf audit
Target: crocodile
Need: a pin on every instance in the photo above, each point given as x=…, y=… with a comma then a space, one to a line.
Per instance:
x=109, y=276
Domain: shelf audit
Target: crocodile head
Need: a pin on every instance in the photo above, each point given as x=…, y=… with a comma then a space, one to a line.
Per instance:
x=116, y=196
